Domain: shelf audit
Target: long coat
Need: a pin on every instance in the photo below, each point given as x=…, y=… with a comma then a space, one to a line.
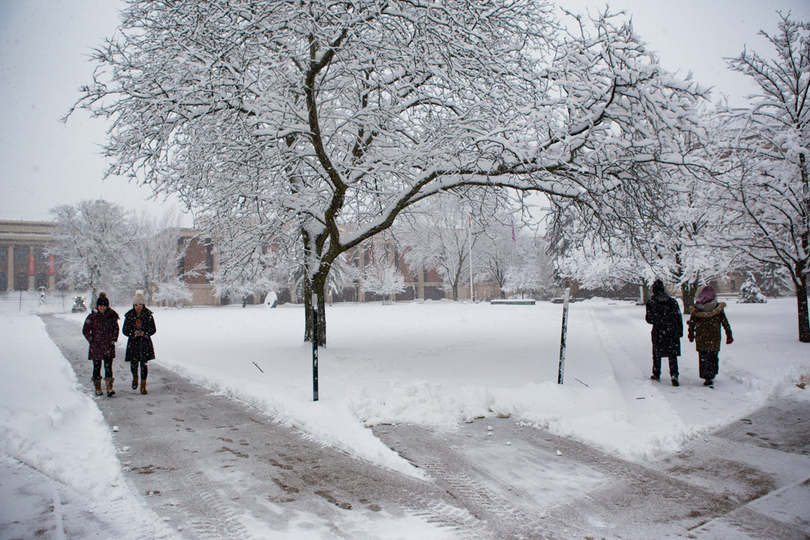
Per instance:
x=665, y=316
x=705, y=326
x=101, y=331
x=139, y=348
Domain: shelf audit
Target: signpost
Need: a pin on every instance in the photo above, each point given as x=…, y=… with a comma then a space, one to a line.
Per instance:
x=314, y=347
x=562, y=337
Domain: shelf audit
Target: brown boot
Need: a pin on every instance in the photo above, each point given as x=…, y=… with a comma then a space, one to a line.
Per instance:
x=143, y=387
x=110, y=391
x=135, y=382
x=97, y=384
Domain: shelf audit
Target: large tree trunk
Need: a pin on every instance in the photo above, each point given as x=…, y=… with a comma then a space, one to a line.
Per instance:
x=645, y=292
x=801, y=304
x=688, y=291
x=317, y=286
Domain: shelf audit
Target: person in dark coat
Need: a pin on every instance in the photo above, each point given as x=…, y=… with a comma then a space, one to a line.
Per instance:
x=708, y=316
x=139, y=326
x=101, y=331
x=665, y=317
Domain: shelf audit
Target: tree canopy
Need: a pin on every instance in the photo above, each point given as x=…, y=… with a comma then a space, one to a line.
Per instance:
x=316, y=123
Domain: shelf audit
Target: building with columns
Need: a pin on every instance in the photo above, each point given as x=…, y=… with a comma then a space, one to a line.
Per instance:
x=26, y=266
x=24, y=261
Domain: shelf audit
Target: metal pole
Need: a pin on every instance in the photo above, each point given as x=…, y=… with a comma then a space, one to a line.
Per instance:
x=314, y=347
x=562, y=337
x=469, y=238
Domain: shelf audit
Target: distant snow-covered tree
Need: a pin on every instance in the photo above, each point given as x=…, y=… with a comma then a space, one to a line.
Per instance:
x=92, y=241
x=676, y=229
x=322, y=122
x=381, y=276
x=530, y=269
x=775, y=280
x=174, y=292
x=153, y=256
x=750, y=292
x=436, y=234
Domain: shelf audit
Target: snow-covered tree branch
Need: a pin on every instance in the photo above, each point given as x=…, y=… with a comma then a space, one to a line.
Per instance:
x=768, y=179
x=323, y=121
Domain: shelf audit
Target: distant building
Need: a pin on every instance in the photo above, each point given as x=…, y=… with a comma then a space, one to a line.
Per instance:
x=26, y=266
x=201, y=255
x=24, y=261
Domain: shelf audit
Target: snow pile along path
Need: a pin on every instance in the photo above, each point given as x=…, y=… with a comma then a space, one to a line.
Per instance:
x=439, y=364
x=52, y=429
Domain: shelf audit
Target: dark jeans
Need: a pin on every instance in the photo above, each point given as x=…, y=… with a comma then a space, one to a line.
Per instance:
x=107, y=368
x=134, y=367
x=709, y=364
x=673, y=367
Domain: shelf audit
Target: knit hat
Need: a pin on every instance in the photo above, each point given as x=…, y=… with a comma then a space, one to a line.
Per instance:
x=658, y=288
x=102, y=300
x=139, y=299
x=706, y=295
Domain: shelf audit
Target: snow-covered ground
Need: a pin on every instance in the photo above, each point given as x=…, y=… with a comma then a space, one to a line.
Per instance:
x=432, y=363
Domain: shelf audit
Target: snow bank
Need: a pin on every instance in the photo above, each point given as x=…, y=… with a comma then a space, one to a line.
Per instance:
x=441, y=363
x=48, y=424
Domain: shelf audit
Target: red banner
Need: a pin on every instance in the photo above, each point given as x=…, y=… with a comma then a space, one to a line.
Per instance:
x=51, y=265
x=31, y=265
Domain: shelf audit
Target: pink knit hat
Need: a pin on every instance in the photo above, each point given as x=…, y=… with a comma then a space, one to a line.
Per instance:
x=706, y=295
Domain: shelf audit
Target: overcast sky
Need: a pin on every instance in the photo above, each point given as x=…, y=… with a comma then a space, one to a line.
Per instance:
x=44, y=58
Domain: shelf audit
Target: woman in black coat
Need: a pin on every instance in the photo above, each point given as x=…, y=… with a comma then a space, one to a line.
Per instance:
x=665, y=316
x=139, y=326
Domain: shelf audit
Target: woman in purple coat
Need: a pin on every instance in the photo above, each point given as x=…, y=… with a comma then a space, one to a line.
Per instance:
x=101, y=331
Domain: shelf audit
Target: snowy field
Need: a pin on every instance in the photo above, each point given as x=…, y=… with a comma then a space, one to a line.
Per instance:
x=433, y=363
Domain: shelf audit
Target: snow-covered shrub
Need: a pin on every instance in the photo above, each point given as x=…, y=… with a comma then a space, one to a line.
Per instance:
x=173, y=293
x=750, y=293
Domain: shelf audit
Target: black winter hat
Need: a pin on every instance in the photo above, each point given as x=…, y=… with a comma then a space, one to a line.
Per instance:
x=102, y=300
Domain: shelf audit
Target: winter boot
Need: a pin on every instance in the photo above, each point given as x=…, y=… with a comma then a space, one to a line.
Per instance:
x=97, y=384
x=675, y=381
x=134, y=382
x=143, y=387
x=110, y=391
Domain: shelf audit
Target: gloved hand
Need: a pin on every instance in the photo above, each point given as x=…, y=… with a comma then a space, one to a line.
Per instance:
x=691, y=337
x=729, y=340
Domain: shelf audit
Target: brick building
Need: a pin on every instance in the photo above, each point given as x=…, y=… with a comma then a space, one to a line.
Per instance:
x=198, y=264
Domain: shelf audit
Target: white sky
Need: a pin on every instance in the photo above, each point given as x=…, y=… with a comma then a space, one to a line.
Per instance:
x=44, y=53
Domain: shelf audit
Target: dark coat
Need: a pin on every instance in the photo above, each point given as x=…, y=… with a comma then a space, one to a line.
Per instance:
x=665, y=316
x=139, y=348
x=101, y=331
x=705, y=324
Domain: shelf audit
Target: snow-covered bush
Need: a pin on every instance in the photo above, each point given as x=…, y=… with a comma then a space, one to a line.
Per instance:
x=750, y=293
x=174, y=293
